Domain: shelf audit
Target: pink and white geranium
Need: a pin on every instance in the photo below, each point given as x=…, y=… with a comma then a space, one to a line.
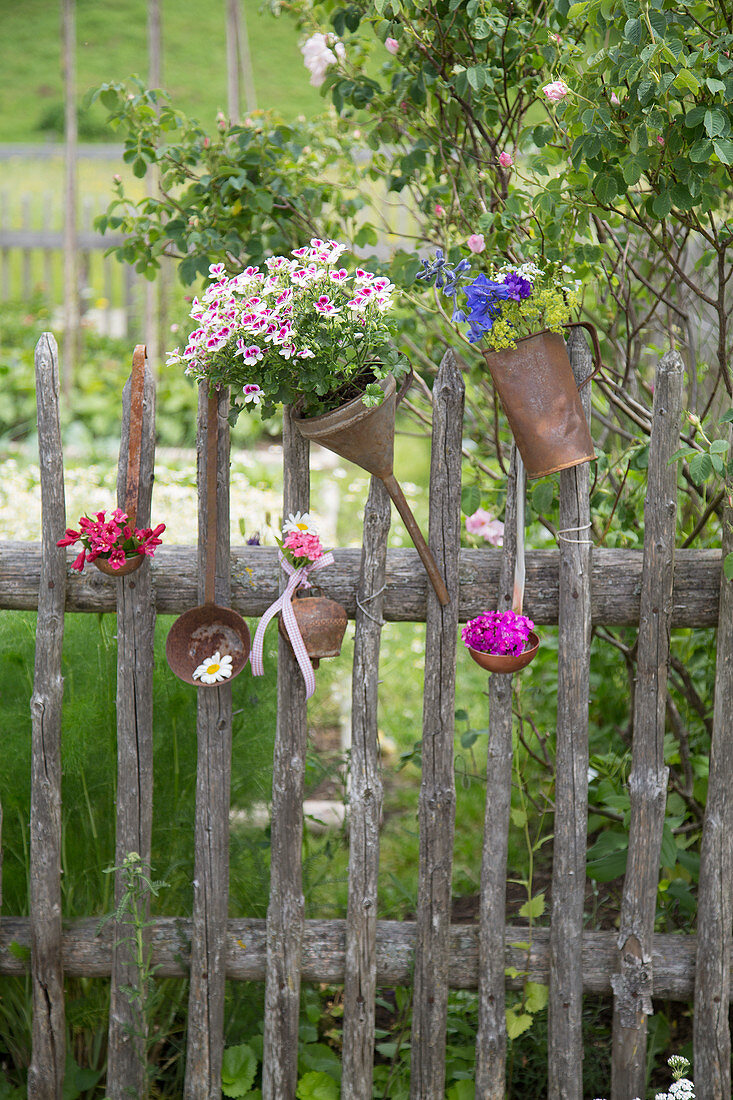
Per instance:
x=297, y=326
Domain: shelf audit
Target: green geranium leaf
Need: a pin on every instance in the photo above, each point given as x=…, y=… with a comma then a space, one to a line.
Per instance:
x=317, y=1086
x=239, y=1066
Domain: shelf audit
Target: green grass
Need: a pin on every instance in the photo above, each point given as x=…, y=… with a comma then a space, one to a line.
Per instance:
x=112, y=44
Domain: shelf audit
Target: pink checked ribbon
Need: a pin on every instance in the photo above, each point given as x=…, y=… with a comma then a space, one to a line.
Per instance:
x=298, y=578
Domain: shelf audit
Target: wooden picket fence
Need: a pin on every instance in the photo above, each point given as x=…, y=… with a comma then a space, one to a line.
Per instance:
x=573, y=586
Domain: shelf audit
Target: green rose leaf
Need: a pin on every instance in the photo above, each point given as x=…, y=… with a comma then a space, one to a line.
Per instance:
x=724, y=150
x=633, y=31
x=716, y=122
x=701, y=467
x=685, y=81
x=535, y=996
x=470, y=499
x=517, y=1023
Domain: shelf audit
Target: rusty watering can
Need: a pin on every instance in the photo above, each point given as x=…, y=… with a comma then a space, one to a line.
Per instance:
x=540, y=398
x=208, y=629
x=365, y=436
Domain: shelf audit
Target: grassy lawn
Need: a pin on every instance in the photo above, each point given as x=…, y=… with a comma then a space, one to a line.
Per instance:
x=112, y=45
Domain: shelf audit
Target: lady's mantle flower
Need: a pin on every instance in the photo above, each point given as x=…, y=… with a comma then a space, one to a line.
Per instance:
x=506, y=160
x=487, y=526
x=318, y=56
x=556, y=91
x=476, y=242
x=214, y=669
x=301, y=521
x=391, y=45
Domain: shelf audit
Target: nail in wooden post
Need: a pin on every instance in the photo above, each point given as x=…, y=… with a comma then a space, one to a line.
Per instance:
x=213, y=785
x=48, y=1057
x=633, y=984
x=437, y=802
x=285, y=913
x=565, y=1007
x=491, y=1036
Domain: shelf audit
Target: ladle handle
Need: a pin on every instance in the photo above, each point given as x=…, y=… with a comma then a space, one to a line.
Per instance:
x=393, y=488
x=212, y=447
x=135, y=434
x=519, y=571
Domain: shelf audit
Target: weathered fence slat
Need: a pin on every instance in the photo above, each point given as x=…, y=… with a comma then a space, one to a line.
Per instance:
x=712, y=1046
x=126, y=1066
x=213, y=785
x=565, y=1038
x=365, y=806
x=648, y=779
x=46, y=1071
x=437, y=802
x=615, y=583
x=491, y=1035
x=285, y=913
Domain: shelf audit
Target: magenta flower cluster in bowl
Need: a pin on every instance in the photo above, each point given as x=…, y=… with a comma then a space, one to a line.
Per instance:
x=113, y=539
x=498, y=632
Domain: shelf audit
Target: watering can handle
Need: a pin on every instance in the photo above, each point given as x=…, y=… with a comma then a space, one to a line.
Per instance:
x=597, y=364
x=407, y=382
x=212, y=446
x=135, y=434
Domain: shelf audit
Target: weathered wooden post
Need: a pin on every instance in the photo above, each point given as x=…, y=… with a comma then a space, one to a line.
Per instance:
x=126, y=1063
x=365, y=806
x=213, y=786
x=437, y=788
x=712, y=1048
x=633, y=984
x=48, y=1058
x=565, y=1038
x=491, y=1036
x=285, y=913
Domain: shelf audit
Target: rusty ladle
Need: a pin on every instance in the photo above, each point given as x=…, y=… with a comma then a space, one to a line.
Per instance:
x=134, y=443
x=513, y=662
x=208, y=629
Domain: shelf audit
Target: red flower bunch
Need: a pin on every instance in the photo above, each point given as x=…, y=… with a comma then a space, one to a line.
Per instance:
x=302, y=547
x=113, y=539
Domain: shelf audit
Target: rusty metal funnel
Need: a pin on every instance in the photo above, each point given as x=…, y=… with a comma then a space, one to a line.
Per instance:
x=365, y=436
x=208, y=630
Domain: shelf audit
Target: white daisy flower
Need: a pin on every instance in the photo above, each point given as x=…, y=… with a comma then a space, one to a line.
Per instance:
x=301, y=521
x=214, y=669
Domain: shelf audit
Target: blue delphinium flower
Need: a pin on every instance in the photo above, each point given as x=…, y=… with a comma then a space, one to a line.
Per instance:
x=445, y=275
x=483, y=298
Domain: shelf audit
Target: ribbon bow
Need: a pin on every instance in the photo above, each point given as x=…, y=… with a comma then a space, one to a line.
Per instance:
x=297, y=578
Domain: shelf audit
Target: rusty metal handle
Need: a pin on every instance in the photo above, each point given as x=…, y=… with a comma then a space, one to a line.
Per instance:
x=407, y=382
x=212, y=446
x=431, y=568
x=135, y=434
x=596, y=348
x=519, y=569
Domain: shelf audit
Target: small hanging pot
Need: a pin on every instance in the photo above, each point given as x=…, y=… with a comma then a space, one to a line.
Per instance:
x=134, y=443
x=365, y=435
x=507, y=663
x=322, y=625
x=540, y=397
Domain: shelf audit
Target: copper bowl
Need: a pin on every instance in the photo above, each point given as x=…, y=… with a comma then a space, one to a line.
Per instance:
x=130, y=566
x=322, y=624
x=507, y=662
x=204, y=630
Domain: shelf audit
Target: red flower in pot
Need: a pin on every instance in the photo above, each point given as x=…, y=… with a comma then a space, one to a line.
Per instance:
x=112, y=544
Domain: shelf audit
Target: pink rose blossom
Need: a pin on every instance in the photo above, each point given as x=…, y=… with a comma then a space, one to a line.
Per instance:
x=476, y=242
x=391, y=45
x=615, y=99
x=506, y=160
x=484, y=524
x=556, y=91
x=660, y=140
x=439, y=210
